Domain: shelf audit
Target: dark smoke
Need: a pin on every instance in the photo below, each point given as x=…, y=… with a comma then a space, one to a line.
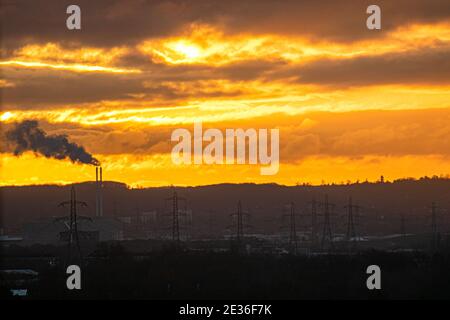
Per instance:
x=27, y=136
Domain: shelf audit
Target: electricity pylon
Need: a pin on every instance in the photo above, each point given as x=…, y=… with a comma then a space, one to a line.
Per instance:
x=71, y=223
x=292, y=228
x=314, y=238
x=240, y=214
x=434, y=228
x=352, y=214
x=327, y=235
x=293, y=232
x=175, y=214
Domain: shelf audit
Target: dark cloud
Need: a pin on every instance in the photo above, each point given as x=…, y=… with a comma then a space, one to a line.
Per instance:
x=328, y=19
x=104, y=22
x=41, y=87
x=250, y=70
x=114, y=22
x=45, y=87
x=135, y=60
x=28, y=136
x=420, y=67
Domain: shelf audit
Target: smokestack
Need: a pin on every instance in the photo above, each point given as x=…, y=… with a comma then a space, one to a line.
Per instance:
x=100, y=211
x=96, y=192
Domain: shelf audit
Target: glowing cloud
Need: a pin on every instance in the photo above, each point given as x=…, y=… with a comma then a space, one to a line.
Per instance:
x=204, y=44
x=54, y=56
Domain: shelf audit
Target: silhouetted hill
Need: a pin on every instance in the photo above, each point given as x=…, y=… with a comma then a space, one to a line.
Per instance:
x=382, y=202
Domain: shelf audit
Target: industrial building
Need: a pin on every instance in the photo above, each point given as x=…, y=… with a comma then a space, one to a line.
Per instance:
x=55, y=232
x=58, y=230
x=143, y=225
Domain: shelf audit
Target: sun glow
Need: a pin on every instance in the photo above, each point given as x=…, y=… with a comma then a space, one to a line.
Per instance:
x=204, y=44
x=189, y=50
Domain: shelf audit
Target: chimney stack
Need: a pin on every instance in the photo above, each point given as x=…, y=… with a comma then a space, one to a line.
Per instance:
x=101, y=194
x=98, y=191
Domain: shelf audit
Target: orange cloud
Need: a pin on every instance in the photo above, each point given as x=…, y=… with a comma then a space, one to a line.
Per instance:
x=257, y=100
x=53, y=56
x=204, y=44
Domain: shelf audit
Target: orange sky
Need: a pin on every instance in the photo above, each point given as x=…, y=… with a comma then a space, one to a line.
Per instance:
x=350, y=104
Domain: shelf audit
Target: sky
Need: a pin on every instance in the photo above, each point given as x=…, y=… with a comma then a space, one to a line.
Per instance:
x=350, y=103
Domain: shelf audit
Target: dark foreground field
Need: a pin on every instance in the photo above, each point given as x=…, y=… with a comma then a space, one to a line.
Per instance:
x=112, y=273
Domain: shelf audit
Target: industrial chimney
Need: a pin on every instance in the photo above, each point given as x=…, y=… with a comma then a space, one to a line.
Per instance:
x=98, y=191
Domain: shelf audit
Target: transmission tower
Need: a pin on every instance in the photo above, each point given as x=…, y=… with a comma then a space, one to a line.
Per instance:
x=175, y=199
x=239, y=214
x=240, y=227
x=350, y=221
x=71, y=223
x=327, y=236
x=352, y=215
x=314, y=224
x=434, y=228
x=292, y=228
x=293, y=233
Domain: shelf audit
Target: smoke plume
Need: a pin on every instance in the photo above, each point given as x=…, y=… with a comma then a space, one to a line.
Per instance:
x=27, y=136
